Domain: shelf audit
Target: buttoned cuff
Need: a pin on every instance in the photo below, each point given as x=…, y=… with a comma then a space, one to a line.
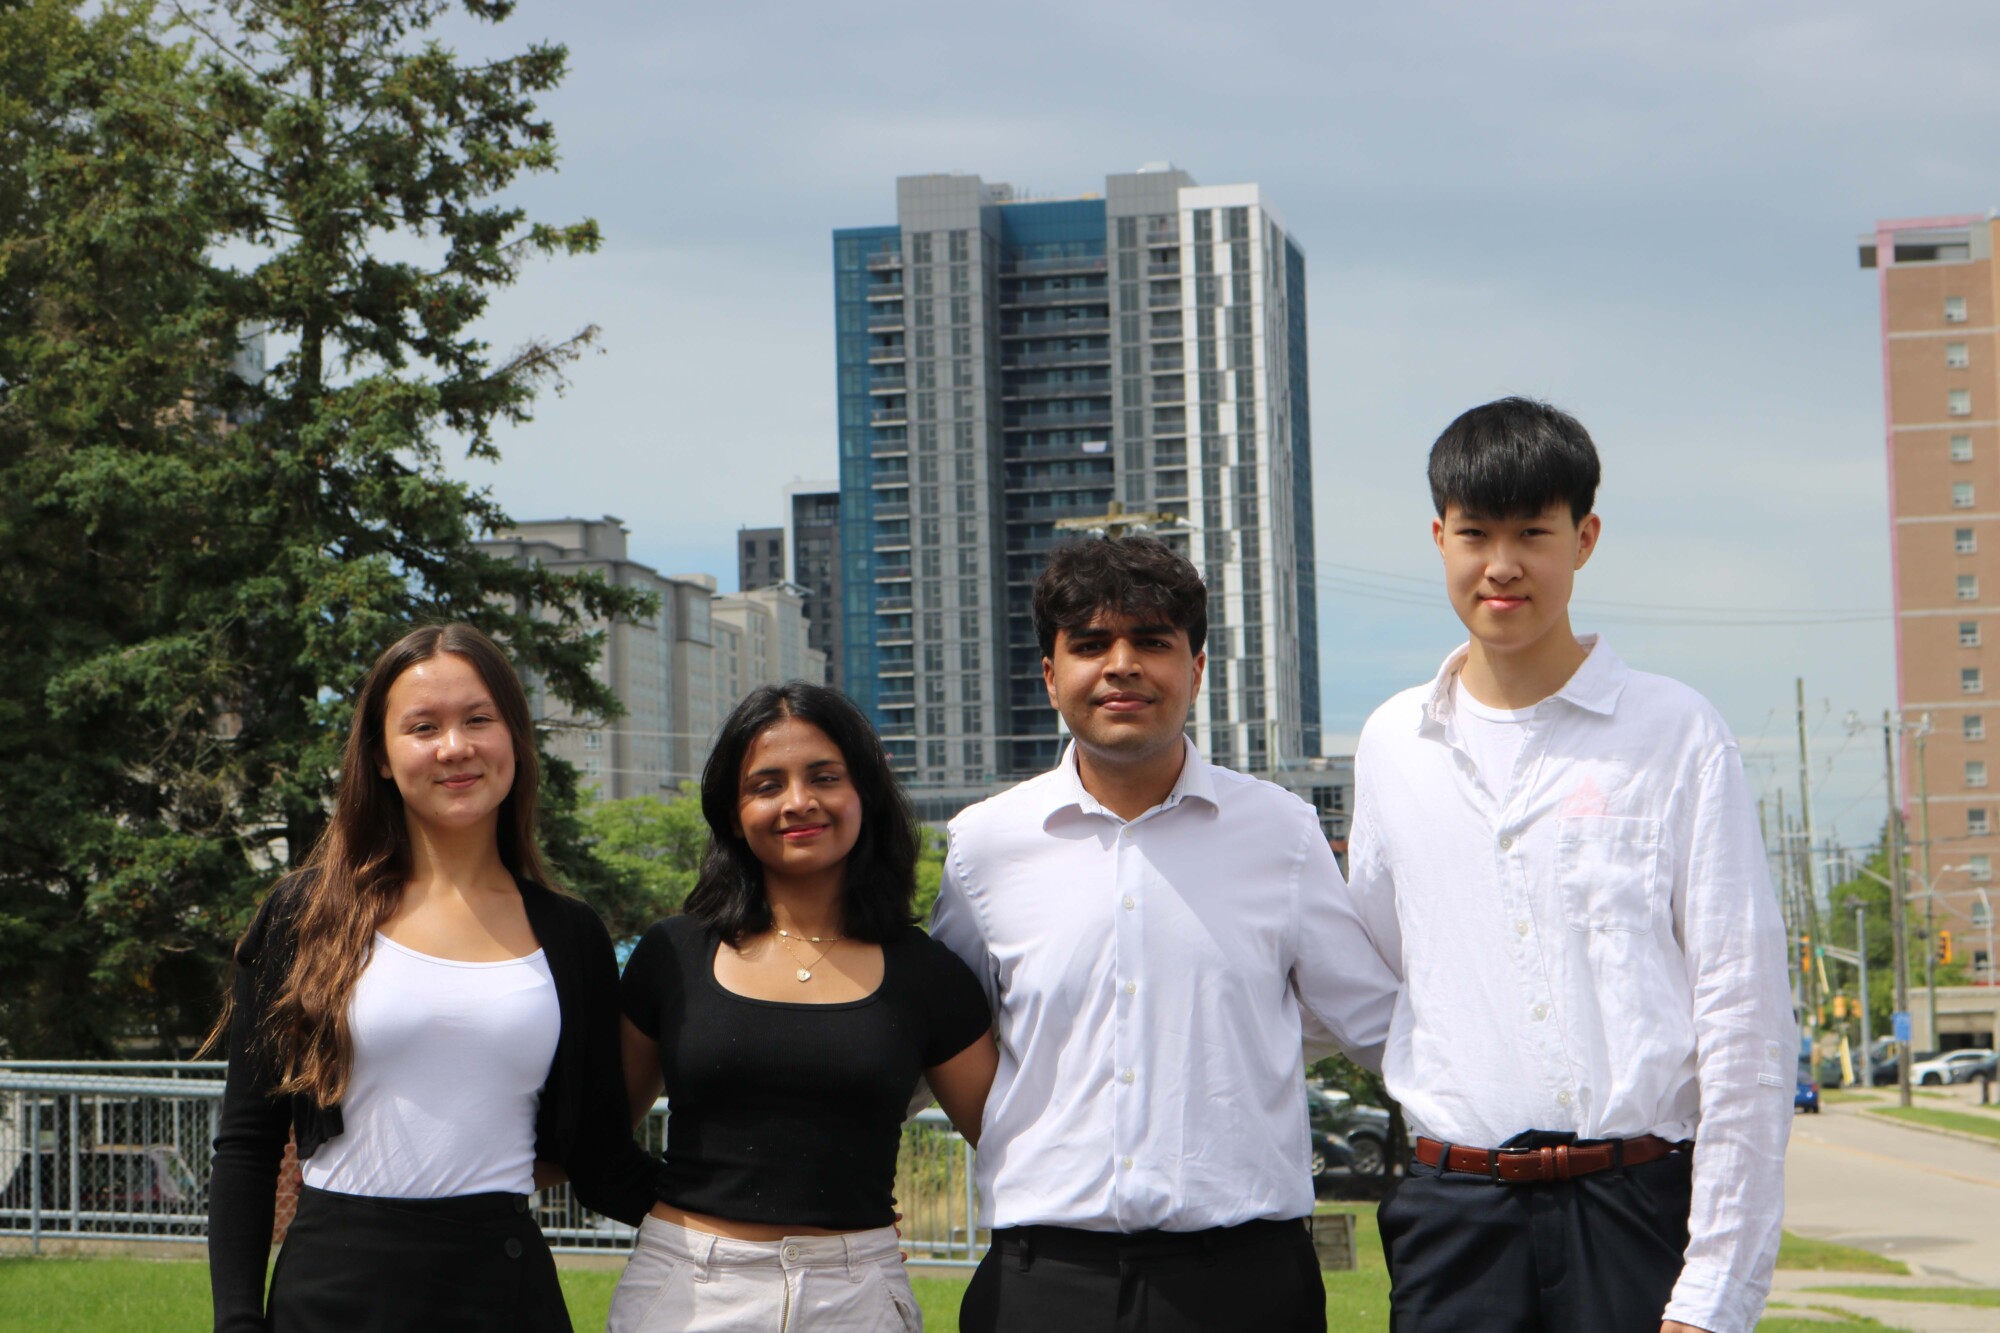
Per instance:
x=1710, y=1300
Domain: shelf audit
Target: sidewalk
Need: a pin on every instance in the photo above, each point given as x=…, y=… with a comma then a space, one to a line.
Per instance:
x=1793, y=1288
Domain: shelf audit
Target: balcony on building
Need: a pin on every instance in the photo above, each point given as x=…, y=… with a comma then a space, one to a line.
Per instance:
x=1049, y=267
x=1018, y=452
x=1164, y=294
x=885, y=261
x=1099, y=387
x=892, y=290
x=888, y=475
x=890, y=382
x=1057, y=420
x=888, y=352
x=1164, y=268
x=1057, y=328
x=892, y=571
x=1089, y=356
x=893, y=415
x=1097, y=295
x=898, y=698
x=885, y=318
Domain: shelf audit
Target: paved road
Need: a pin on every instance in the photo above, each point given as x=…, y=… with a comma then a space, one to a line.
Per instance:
x=1931, y=1201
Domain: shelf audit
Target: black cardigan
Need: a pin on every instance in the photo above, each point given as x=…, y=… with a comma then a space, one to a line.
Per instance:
x=581, y=1123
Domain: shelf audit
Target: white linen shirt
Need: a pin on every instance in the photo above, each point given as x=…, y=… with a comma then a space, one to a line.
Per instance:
x=1147, y=980
x=1592, y=945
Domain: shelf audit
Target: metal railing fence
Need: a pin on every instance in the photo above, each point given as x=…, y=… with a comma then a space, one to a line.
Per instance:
x=120, y=1151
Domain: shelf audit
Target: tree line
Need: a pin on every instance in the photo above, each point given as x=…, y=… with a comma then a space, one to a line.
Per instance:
x=202, y=554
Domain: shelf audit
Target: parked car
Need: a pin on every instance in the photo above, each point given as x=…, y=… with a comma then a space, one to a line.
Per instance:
x=1806, y=1096
x=1364, y=1129
x=1885, y=1061
x=115, y=1178
x=1961, y=1066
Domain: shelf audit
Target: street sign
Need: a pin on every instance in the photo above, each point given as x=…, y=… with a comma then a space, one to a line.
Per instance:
x=1900, y=1025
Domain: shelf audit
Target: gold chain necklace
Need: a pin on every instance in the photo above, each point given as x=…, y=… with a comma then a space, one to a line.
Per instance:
x=804, y=974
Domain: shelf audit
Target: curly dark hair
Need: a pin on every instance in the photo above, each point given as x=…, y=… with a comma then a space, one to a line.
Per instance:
x=880, y=883
x=1137, y=576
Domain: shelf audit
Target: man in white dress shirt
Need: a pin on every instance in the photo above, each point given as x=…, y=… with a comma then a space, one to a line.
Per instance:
x=1149, y=928
x=1594, y=1044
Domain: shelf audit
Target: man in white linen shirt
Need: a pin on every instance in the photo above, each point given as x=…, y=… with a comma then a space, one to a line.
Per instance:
x=1594, y=1044
x=1149, y=928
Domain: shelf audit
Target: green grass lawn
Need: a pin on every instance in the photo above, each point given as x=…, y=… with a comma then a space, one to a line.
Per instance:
x=1836, y=1096
x=1825, y=1256
x=91, y=1295
x=1981, y=1123
x=1984, y=1298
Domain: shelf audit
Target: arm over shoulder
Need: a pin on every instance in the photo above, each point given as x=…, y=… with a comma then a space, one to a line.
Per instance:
x=611, y=1173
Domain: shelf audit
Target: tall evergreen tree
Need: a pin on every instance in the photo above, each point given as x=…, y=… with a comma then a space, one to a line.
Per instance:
x=229, y=546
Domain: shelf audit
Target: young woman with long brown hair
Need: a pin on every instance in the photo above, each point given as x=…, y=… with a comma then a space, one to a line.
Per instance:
x=431, y=1020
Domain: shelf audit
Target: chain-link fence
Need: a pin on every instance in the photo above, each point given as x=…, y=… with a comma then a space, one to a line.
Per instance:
x=118, y=1151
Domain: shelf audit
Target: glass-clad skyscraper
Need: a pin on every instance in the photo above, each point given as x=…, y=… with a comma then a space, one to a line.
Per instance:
x=1007, y=364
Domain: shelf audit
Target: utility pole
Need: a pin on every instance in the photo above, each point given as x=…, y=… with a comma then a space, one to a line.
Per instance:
x=1805, y=798
x=1861, y=950
x=1810, y=878
x=1923, y=729
x=1896, y=916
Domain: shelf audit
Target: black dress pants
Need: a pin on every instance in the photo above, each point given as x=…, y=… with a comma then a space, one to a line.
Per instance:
x=1261, y=1275
x=1596, y=1254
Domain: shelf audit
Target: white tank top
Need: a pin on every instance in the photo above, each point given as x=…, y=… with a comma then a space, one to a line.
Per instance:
x=449, y=1062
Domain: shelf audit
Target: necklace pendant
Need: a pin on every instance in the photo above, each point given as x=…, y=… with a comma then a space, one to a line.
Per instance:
x=805, y=975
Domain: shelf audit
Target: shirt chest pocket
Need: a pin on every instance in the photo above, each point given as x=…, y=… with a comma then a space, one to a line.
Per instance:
x=1610, y=871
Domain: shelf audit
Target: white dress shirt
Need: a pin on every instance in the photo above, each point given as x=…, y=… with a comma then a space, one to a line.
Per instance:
x=1147, y=980
x=1590, y=943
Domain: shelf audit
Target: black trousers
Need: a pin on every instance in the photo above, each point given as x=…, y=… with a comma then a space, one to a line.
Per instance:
x=1261, y=1275
x=1596, y=1254
x=473, y=1264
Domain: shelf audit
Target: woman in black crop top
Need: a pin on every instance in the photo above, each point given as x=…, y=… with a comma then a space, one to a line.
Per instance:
x=788, y=1015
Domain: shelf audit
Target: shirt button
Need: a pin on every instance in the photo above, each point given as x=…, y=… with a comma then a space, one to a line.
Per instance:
x=1131, y=988
x=1125, y=1076
x=791, y=1254
x=1562, y=1098
x=1129, y=903
x=1541, y=1012
x=1506, y=844
x=1128, y=831
x=1521, y=927
x=1125, y=1163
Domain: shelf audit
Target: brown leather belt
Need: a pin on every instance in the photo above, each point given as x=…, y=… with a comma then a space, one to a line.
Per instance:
x=1563, y=1162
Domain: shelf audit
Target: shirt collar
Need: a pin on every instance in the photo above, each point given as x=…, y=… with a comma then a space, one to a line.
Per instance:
x=1594, y=687
x=1196, y=782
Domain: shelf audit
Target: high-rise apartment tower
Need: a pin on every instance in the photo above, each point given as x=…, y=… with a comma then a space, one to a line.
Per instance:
x=1007, y=363
x=1941, y=399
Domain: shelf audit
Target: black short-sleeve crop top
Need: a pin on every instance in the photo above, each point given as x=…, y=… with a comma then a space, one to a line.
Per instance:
x=791, y=1113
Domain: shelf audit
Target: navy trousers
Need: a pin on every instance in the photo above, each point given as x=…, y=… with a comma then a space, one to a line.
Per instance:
x=1596, y=1254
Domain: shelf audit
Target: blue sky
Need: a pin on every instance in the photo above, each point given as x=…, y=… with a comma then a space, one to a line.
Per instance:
x=1645, y=212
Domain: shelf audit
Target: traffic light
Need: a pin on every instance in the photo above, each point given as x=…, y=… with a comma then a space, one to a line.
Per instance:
x=1944, y=946
x=1805, y=953
x=1839, y=1008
